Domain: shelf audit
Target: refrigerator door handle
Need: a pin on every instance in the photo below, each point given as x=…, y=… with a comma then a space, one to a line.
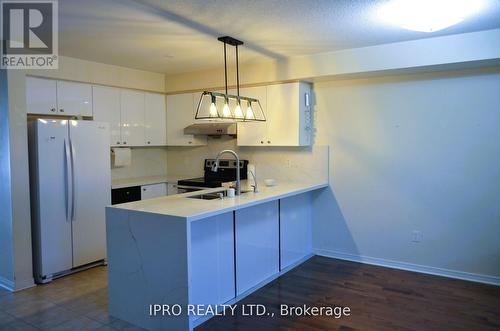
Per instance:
x=73, y=200
x=69, y=185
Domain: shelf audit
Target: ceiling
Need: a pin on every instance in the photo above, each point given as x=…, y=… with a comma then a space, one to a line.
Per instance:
x=174, y=36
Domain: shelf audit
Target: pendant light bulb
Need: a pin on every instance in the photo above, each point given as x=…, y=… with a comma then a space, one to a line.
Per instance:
x=250, y=114
x=226, y=113
x=213, y=108
x=238, y=113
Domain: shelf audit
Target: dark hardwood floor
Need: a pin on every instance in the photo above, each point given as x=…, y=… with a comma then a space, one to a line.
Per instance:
x=379, y=299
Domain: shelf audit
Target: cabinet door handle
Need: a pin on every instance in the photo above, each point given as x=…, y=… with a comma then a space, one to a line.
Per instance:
x=52, y=110
x=149, y=142
x=268, y=141
x=190, y=142
x=261, y=141
x=118, y=143
x=61, y=110
x=124, y=142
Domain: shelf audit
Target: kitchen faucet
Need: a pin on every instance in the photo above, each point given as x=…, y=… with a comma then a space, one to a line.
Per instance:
x=215, y=166
x=255, y=188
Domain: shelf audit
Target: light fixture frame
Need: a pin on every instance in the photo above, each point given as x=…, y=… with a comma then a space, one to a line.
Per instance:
x=238, y=98
x=233, y=117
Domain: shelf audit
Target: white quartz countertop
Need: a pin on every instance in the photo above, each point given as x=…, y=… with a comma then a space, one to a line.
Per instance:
x=180, y=205
x=147, y=180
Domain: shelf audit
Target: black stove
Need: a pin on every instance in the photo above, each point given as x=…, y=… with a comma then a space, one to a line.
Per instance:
x=199, y=182
x=226, y=173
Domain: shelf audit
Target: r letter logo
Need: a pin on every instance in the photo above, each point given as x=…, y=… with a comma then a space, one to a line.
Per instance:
x=29, y=34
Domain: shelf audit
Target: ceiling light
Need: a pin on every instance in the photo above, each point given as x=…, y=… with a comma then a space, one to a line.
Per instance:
x=428, y=15
x=207, y=106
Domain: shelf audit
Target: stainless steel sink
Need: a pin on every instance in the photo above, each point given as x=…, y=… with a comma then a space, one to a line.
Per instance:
x=214, y=195
x=209, y=196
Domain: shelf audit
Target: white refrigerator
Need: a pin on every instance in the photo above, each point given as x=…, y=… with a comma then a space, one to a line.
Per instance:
x=70, y=179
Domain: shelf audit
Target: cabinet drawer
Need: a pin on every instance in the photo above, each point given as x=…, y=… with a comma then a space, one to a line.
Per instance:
x=153, y=191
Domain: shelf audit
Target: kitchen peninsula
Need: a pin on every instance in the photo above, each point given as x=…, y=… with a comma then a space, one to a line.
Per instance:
x=185, y=250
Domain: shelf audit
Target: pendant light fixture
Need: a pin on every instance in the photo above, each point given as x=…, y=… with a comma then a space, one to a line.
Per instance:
x=217, y=106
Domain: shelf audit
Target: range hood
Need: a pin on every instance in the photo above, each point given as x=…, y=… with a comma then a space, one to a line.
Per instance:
x=211, y=129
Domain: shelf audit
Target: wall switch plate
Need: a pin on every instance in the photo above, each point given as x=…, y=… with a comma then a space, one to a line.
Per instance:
x=416, y=236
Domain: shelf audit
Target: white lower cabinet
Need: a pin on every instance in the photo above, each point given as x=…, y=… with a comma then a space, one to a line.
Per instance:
x=172, y=189
x=153, y=191
x=211, y=261
x=295, y=229
x=257, y=244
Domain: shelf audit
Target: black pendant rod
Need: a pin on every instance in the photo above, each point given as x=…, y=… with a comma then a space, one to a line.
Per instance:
x=225, y=66
x=233, y=42
x=237, y=75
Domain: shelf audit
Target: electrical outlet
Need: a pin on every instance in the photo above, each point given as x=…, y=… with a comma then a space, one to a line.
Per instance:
x=416, y=236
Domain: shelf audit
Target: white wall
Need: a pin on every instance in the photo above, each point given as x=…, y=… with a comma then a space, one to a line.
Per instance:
x=411, y=153
x=436, y=53
x=104, y=74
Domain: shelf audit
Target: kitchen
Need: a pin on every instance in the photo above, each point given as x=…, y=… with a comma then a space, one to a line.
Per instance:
x=173, y=161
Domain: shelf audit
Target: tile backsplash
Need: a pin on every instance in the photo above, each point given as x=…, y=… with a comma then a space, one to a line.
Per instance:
x=281, y=163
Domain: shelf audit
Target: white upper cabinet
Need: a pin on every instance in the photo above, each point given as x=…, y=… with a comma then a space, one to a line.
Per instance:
x=253, y=133
x=288, y=117
x=136, y=118
x=74, y=98
x=181, y=110
x=53, y=97
x=132, y=117
x=106, y=104
x=155, y=119
x=41, y=96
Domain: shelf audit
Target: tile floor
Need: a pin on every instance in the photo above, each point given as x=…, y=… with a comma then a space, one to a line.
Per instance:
x=76, y=302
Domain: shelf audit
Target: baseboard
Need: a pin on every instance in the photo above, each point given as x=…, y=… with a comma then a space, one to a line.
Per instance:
x=485, y=279
x=18, y=286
